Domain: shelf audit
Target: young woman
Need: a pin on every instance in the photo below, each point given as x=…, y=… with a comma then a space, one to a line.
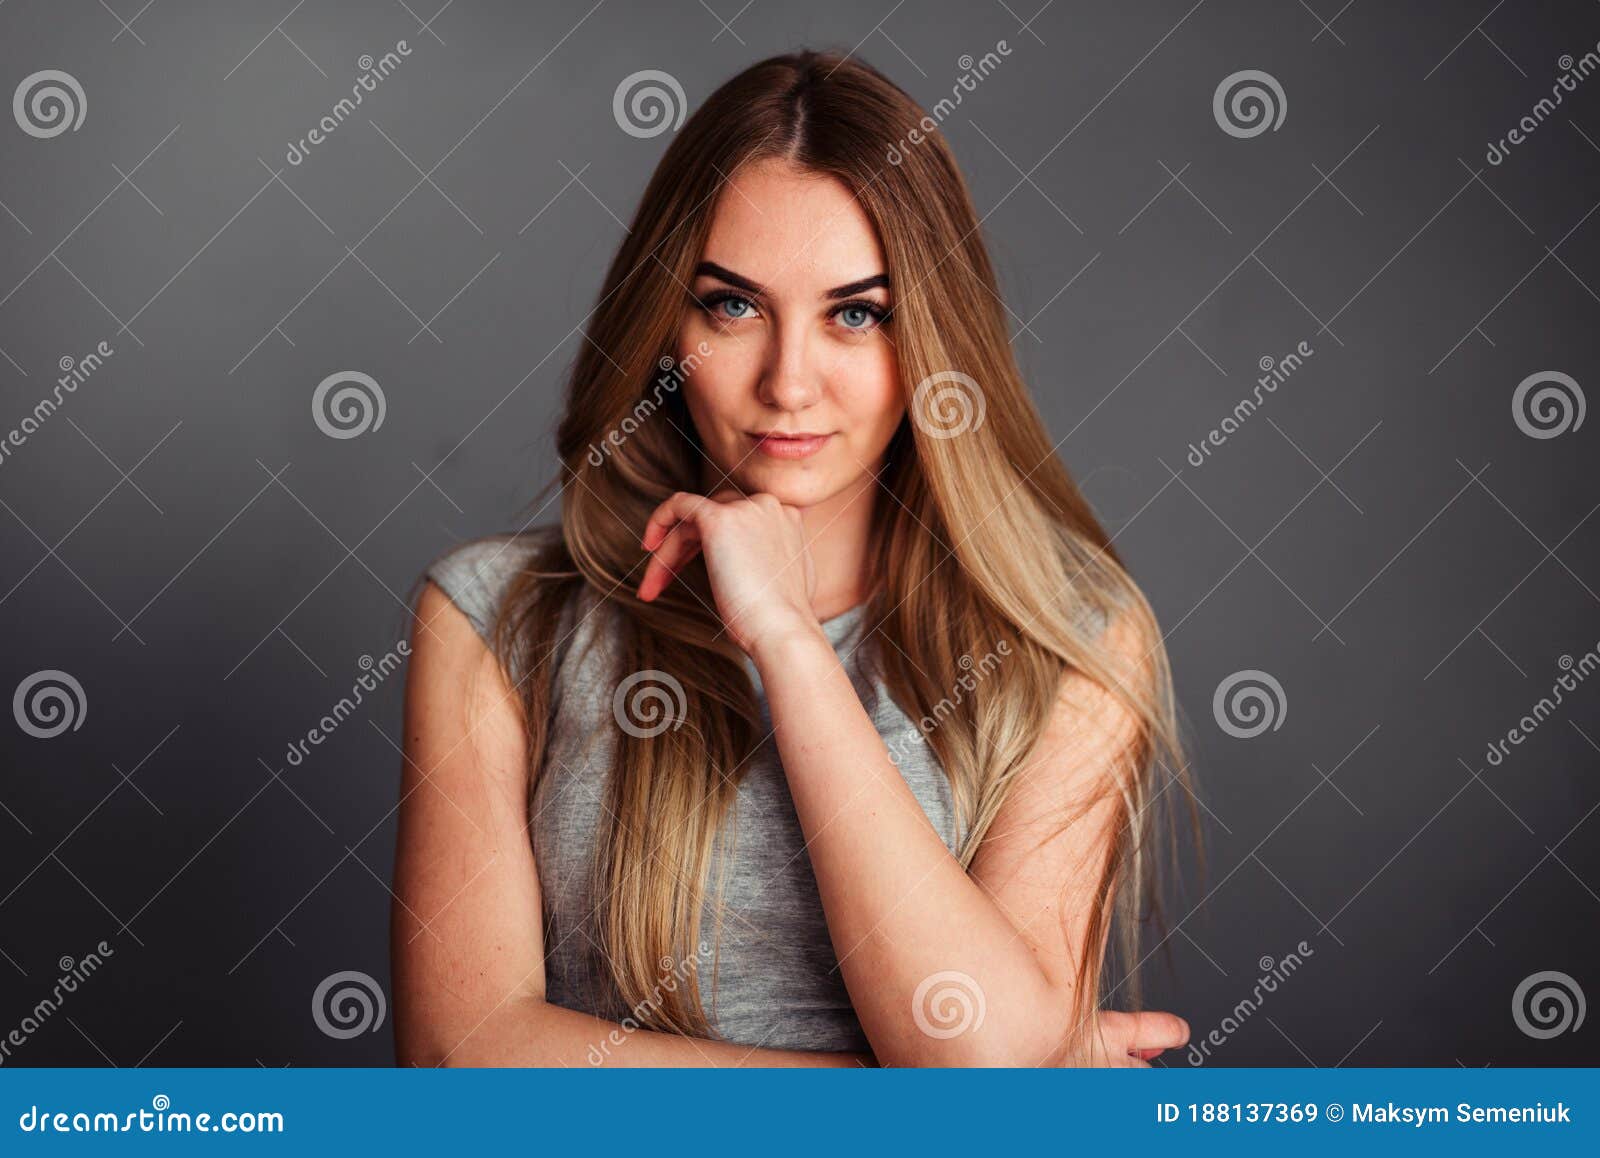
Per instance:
x=825, y=727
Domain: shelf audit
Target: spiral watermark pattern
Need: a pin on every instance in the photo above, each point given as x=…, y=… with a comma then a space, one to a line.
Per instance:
x=1248, y=703
x=648, y=103
x=1547, y=404
x=1248, y=103
x=49, y=103
x=948, y=1004
x=1548, y=1004
x=947, y=403
x=348, y=1004
x=649, y=702
x=348, y=404
x=49, y=703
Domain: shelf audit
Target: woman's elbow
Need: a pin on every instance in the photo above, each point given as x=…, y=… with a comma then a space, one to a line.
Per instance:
x=417, y=1045
x=1034, y=1034
x=514, y=1033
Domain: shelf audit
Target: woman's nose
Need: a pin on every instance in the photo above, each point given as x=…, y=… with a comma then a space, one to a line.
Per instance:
x=792, y=379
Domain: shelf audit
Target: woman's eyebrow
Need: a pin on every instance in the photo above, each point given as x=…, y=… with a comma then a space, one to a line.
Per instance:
x=712, y=269
x=856, y=287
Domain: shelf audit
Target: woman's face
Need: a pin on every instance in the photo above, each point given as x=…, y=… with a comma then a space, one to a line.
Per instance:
x=789, y=299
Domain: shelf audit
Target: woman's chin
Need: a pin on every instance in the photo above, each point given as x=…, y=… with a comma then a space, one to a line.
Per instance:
x=791, y=485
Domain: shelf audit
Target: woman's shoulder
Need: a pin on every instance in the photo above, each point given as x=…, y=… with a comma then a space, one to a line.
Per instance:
x=475, y=574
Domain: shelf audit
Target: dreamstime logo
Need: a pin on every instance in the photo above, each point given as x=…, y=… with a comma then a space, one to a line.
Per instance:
x=648, y=103
x=972, y=71
x=74, y=373
x=376, y=671
x=973, y=672
x=73, y=974
x=1248, y=103
x=948, y=1004
x=156, y=1120
x=1273, y=974
x=1548, y=1004
x=673, y=374
x=947, y=403
x=649, y=702
x=1248, y=703
x=1585, y=665
x=348, y=1004
x=49, y=103
x=1572, y=72
x=372, y=72
x=672, y=974
x=1547, y=404
x=348, y=404
x=1274, y=373
x=49, y=703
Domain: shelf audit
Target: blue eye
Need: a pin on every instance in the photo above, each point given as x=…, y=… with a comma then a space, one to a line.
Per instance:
x=861, y=316
x=737, y=308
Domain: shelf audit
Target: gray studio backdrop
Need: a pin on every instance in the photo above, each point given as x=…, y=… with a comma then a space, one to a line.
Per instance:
x=1376, y=572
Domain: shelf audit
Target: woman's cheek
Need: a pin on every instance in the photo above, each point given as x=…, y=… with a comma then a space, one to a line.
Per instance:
x=728, y=371
x=878, y=404
x=714, y=406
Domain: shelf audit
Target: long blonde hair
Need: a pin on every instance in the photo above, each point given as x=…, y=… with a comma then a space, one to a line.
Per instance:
x=990, y=541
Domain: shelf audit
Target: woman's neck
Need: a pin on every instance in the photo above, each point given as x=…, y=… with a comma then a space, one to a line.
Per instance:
x=838, y=535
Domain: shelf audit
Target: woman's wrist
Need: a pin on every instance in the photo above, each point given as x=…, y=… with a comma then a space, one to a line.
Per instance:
x=789, y=644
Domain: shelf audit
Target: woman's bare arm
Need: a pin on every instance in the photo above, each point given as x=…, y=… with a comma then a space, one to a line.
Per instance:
x=917, y=934
x=946, y=966
x=466, y=941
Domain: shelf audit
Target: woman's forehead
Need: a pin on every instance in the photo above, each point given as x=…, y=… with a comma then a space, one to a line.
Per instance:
x=792, y=232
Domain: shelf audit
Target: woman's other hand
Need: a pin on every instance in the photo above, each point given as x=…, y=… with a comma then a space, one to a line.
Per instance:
x=756, y=557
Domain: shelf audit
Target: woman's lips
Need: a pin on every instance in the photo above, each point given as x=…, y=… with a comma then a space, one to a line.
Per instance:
x=780, y=446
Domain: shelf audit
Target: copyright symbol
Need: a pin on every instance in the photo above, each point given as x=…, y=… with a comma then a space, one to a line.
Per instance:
x=1335, y=1112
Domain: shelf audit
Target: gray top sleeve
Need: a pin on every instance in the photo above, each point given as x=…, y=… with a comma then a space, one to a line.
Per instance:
x=475, y=574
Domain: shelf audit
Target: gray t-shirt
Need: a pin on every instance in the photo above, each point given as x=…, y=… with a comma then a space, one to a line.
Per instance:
x=771, y=979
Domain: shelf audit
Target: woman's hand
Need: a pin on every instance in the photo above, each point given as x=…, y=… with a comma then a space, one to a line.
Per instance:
x=1129, y=1040
x=761, y=572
